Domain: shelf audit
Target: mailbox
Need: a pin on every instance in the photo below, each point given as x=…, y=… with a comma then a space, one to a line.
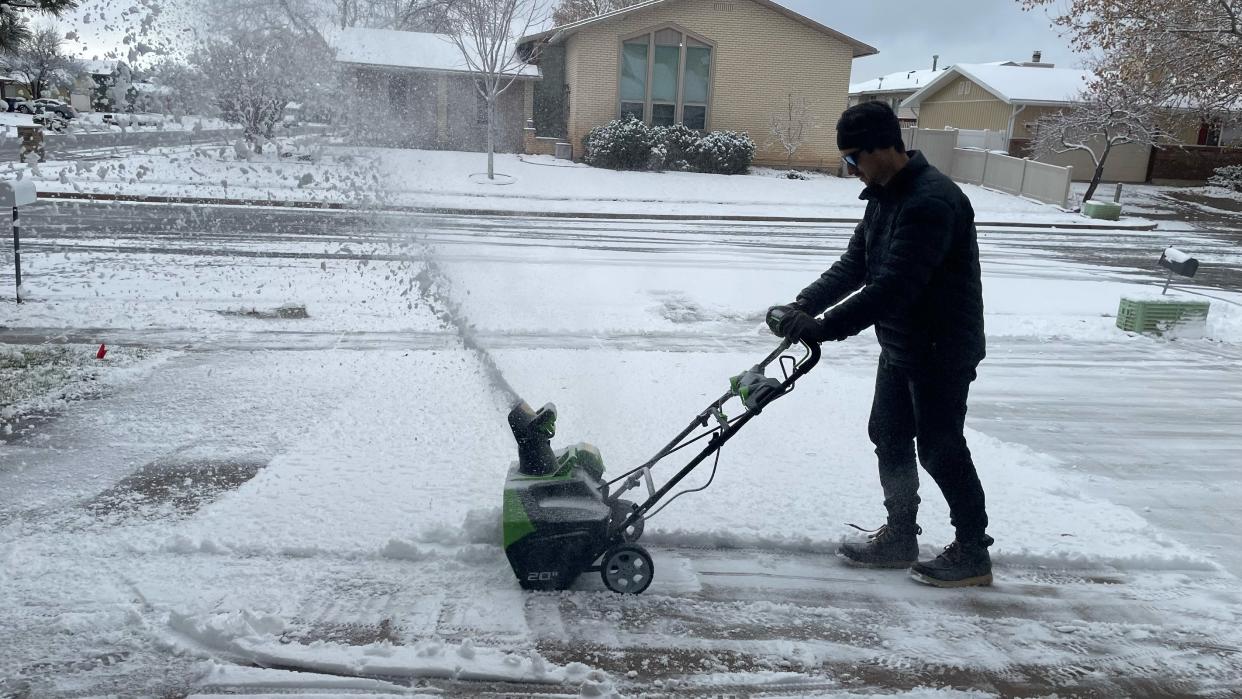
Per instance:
x=15, y=193
x=1178, y=262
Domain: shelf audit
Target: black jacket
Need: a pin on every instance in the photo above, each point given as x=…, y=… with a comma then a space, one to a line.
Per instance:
x=916, y=258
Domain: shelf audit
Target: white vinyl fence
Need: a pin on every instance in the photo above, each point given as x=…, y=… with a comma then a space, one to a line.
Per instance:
x=1018, y=176
x=937, y=146
x=982, y=139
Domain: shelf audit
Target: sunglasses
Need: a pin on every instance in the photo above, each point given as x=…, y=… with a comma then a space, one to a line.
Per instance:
x=850, y=159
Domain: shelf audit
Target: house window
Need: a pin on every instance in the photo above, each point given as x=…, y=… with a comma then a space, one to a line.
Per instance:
x=1209, y=135
x=666, y=78
x=963, y=87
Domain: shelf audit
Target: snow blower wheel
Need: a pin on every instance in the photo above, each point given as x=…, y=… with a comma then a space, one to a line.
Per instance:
x=627, y=569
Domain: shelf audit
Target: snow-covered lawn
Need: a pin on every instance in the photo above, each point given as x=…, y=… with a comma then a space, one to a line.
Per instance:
x=378, y=178
x=542, y=183
x=45, y=378
x=304, y=171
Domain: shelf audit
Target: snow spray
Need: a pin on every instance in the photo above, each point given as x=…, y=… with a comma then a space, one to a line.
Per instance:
x=430, y=283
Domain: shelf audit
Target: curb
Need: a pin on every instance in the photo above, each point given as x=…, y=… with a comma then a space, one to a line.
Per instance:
x=337, y=206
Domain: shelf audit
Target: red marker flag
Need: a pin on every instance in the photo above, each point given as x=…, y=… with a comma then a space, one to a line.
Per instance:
x=102, y=351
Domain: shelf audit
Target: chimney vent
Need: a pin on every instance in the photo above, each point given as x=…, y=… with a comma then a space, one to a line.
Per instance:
x=1035, y=58
x=935, y=61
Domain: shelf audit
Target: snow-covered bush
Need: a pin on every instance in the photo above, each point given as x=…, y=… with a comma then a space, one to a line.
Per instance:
x=723, y=153
x=672, y=147
x=629, y=144
x=622, y=144
x=1229, y=177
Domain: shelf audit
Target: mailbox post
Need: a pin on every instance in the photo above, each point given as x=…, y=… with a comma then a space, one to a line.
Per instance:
x=15, y=193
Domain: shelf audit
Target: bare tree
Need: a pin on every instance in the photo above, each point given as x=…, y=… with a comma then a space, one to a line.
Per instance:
x=310, y=21
x=40, y=61
x=1190, y=48
x=486, y=33
x=570, y=11
x=1109, y=115
x=314, y=21
x=406, y=15
x=790, y=125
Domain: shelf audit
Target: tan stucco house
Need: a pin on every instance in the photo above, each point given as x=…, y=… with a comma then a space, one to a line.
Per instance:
x=1011, y=98
x=709, y=64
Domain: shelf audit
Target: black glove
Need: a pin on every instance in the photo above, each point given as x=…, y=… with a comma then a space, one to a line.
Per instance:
x=777, y=316
x=802, y=327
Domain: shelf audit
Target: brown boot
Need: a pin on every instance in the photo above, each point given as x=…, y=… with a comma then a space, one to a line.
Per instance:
x=894, y=545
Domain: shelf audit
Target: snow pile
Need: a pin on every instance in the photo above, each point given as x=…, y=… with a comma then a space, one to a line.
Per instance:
x=1175, y=256
x=1224, y=322
x=258, y=638
x=217, y=676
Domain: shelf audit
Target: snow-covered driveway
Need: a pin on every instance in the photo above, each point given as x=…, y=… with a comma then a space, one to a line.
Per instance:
x=322, y=495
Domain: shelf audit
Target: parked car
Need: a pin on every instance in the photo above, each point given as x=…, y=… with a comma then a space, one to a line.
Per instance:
x=19, y=104
x=52, y=105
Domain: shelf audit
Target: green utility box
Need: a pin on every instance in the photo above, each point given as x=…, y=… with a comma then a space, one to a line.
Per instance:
x=1106, y=210
x=1161, y=316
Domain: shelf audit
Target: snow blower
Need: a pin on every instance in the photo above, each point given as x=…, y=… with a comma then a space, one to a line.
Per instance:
x=561, y=518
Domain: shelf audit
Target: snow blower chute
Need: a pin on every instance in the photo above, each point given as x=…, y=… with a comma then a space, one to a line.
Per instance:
x=561, y=518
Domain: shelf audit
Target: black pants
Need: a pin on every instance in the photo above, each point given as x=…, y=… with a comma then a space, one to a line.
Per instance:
x=926, y=407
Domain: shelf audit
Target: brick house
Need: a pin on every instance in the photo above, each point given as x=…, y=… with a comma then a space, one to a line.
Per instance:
x=709, y=64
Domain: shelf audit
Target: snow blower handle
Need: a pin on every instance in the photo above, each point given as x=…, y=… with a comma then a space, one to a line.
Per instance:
x=757, y=389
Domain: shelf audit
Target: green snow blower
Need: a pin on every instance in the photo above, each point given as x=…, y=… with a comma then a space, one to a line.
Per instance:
x=561, y=518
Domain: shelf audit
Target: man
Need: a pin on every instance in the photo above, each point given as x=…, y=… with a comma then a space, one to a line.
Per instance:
x=914, y=261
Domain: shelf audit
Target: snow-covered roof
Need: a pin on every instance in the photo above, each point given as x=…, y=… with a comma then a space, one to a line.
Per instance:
x=558, y=34
x=101, y=67
x=908, y=80
x=904, y=81
x=413, y=50
x=1013, y=84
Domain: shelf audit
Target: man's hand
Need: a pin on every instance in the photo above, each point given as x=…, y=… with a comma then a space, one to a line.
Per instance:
x=777, y=316
x=799, y=326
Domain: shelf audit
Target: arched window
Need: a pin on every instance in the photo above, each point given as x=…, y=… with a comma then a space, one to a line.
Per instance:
x=666, y=78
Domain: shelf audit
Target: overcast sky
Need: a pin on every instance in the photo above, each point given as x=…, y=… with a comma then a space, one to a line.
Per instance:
x=960, y=31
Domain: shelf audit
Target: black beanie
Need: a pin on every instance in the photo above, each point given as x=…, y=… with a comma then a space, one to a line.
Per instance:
x=869, y=126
